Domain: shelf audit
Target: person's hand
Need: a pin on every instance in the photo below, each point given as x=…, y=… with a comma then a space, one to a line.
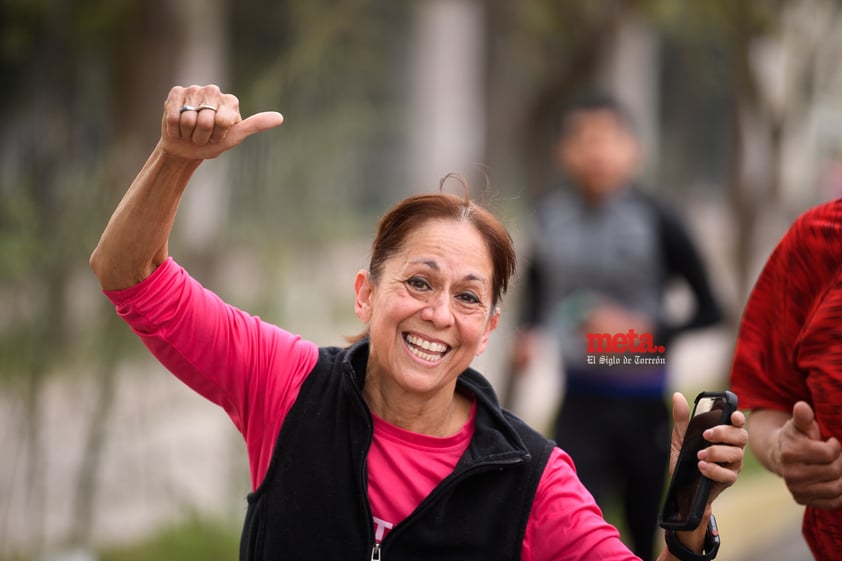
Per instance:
x=201, y=122
x=810, y=466
x=722, y=461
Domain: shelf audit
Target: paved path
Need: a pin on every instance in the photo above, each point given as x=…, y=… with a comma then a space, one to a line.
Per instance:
x=759, y=521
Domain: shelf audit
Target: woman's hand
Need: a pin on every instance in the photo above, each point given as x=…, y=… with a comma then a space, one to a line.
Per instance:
x=201, y=122
x=722, y=461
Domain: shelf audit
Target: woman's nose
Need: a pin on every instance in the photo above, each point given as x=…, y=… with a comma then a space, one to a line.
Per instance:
x=438, y=310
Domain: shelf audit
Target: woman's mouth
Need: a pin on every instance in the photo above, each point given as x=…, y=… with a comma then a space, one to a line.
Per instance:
x=429, y=351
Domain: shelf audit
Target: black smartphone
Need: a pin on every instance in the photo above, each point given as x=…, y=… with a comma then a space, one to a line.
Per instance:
x=689, y=490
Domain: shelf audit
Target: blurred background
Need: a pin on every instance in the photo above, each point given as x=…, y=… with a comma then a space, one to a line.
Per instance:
x=103, y=455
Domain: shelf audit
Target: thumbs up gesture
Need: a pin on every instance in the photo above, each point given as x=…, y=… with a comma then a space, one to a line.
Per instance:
x=810, y=465
x=201, y=122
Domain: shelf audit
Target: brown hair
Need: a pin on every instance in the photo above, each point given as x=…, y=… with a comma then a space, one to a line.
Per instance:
x=413, y=212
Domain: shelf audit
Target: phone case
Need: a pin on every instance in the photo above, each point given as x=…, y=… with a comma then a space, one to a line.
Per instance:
x=667, y=518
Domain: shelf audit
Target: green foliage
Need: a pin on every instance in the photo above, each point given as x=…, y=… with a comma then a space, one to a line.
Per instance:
x=194, y=540
x=16, y=237
x=700, y=20
x=337, y=73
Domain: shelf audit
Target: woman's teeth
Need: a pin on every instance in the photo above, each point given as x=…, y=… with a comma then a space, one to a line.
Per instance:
x=425, y=350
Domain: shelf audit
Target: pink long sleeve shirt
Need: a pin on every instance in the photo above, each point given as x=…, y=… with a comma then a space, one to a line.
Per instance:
x=254, y=370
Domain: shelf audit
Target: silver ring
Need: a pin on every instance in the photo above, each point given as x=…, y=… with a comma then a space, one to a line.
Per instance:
x=207, y=106
x=187, y=108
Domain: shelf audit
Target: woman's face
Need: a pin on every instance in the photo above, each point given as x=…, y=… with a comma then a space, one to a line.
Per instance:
x=430, y=312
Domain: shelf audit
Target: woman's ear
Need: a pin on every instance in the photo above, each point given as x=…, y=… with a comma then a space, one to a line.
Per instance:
x=364, y=291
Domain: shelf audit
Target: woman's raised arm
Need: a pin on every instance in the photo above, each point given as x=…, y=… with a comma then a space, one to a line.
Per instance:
x=199, y=123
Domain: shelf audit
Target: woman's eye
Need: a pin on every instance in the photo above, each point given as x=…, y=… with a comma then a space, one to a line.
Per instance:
x=418, y=283
x=469, y=298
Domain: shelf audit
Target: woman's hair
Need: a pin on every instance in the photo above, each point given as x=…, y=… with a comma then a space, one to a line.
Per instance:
x=413, y=212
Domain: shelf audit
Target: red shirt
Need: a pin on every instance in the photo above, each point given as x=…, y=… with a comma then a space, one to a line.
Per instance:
x=254, y=371
x=789, y=346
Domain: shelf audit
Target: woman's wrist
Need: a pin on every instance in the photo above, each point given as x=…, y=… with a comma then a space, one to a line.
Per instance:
x=174, y=160
x=701, y=544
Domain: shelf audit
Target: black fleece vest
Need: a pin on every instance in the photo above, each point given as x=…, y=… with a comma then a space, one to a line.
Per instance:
x=313, y=503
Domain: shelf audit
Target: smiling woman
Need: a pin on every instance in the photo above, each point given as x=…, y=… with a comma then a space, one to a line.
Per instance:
x=429, y=314
x=396, y=436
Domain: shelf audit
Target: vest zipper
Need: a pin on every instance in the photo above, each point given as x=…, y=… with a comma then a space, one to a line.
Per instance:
x=452, y=479
x=431, y=499
x=375, y=549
